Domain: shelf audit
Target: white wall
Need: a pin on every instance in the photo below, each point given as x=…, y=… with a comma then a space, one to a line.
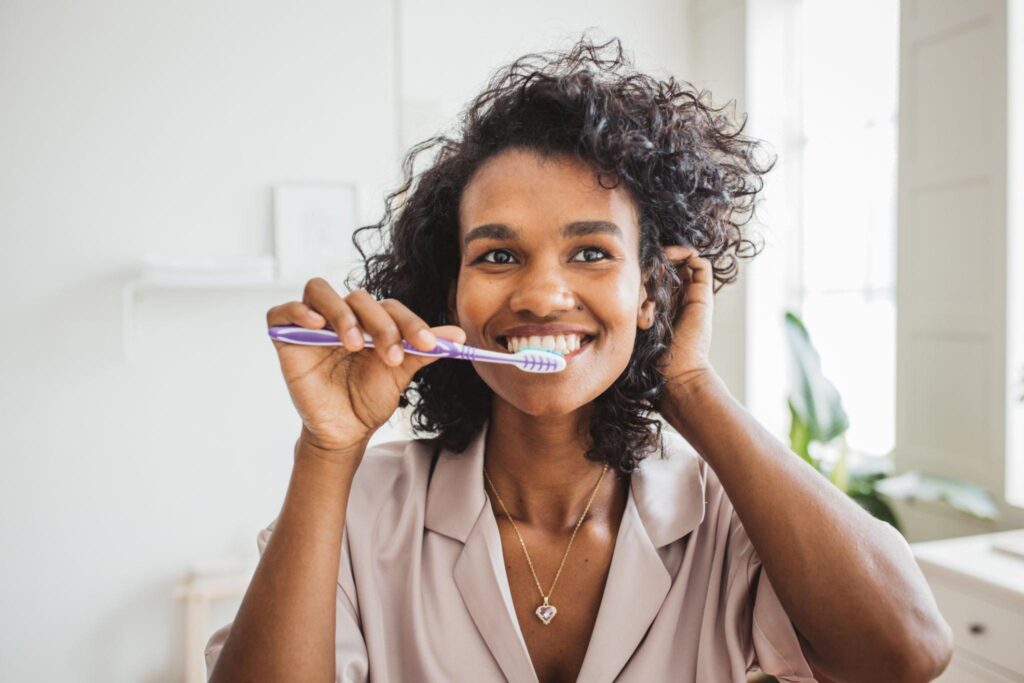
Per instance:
x=719, y=54
x=129, y=128
x=135, y=128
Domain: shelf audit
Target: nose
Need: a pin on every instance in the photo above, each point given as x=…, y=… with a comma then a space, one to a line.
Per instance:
x=543, y=292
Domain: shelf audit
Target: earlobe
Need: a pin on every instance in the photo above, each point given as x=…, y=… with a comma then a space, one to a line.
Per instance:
x=645, y=317
x=648, y=306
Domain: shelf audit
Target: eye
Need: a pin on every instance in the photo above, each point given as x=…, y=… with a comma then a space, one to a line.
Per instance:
x=593, y=250
x=483, y=257
x=503, y=260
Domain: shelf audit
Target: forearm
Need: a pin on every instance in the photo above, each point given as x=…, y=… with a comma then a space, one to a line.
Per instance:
x=284, y=630
x=847, y=581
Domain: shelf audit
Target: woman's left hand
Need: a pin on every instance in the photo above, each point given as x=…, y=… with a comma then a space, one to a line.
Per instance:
x=687, y=358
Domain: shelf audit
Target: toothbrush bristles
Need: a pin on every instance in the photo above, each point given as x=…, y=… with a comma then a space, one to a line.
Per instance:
x=541, y=360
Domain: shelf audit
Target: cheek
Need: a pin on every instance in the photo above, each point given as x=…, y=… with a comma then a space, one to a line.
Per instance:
x=618, y=306
x=474, y=302
x=621, y=302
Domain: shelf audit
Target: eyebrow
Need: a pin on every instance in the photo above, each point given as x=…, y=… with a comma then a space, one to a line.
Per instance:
x=500, y=231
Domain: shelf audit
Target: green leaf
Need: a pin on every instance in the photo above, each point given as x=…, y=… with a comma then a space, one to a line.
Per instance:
x=840, y=475
x=863, y=483
x=877, y=508
x=813, y=398
x=961, y=495
x=799, y=438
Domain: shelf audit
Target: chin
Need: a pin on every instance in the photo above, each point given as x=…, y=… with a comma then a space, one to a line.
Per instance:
x=547, y=403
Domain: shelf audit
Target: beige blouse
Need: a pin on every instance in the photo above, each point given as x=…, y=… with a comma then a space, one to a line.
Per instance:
x=423, y=594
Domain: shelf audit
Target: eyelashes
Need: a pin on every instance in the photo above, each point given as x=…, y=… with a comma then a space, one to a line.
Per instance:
x=481, y=259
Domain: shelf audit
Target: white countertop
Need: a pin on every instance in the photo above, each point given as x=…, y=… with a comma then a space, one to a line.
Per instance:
x=974, y=558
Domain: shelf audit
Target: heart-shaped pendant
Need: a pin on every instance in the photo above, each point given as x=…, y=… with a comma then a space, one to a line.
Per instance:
x=546, y=613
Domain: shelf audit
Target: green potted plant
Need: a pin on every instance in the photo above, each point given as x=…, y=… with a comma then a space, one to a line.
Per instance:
x=817, y=416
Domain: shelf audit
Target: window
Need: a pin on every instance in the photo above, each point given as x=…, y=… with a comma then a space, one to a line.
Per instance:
x=1015, y=261
x=823, y=91
x=842, y=279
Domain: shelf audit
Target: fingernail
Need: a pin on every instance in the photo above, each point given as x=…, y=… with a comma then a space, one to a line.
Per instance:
x=352, y=337
x=395, y=354
x=427, y=337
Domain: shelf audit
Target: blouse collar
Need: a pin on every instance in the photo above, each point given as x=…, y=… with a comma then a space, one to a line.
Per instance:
x=667, y=488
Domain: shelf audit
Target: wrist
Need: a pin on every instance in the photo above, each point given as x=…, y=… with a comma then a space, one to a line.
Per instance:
x=323, y=479
x=344, y=458
x=683, y=394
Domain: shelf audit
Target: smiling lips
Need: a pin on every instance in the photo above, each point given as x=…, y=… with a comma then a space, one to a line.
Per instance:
x=568, y=345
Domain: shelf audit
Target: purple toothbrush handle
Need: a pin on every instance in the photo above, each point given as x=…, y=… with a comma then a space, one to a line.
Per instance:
x=537, y=361
x=328, y=337
x=445, y=348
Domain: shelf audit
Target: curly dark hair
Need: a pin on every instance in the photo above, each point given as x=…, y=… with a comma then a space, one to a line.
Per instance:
x=686, y=165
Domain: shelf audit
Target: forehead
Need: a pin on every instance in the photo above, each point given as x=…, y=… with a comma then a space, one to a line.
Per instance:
x=523, y=188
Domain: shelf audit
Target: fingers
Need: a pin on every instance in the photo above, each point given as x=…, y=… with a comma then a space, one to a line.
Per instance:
x=387, y=322
x=295, y=313
x=321, y=297
x=411, y=327
x=702, y=272
x=451, y=333
x=696, y=273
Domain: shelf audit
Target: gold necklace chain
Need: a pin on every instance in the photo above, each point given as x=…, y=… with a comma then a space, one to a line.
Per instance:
x=546, y=611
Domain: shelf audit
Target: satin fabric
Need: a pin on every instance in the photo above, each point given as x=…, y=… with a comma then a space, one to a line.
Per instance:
x=423, y=594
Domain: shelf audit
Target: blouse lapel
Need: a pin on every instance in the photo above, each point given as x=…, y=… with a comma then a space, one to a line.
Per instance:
x=457, y=507
x=634, y=592
x=489, y=599
x=666, y=501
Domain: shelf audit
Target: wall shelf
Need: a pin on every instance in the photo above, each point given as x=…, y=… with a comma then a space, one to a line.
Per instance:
x=132, y=288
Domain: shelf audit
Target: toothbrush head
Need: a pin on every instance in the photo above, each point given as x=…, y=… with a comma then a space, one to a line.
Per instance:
x=539, y=360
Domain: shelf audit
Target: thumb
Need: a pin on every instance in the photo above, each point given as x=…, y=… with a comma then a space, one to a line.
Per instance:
x=450, y=332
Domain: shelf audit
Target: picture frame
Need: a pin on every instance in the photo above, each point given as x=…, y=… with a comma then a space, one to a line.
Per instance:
x=313, y=226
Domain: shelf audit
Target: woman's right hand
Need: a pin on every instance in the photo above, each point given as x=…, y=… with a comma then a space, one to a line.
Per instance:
x=343, y=394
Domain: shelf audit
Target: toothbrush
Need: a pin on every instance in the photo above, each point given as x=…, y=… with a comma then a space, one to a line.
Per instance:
x=527, y=360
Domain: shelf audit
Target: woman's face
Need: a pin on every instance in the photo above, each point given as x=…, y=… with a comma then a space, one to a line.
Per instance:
x=547, y=251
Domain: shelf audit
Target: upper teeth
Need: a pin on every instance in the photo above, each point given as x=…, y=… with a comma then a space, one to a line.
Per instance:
x=562, y=343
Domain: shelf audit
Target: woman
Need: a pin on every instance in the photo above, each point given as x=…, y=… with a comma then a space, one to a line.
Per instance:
x=596, y=206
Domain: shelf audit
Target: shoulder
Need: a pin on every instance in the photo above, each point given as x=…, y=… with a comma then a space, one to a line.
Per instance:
x=684, y=459
x=722, y=537
x=392, y=474
x=681, y=475
x=676, y=474
x=669, y=487
x=676, y=460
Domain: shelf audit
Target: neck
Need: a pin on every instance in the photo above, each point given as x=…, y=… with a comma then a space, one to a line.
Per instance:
x=538, y=467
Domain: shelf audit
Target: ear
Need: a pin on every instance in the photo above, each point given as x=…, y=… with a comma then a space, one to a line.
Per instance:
x=646, y=306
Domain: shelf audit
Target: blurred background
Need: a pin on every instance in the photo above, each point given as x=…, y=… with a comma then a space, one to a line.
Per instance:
x=169, y=171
